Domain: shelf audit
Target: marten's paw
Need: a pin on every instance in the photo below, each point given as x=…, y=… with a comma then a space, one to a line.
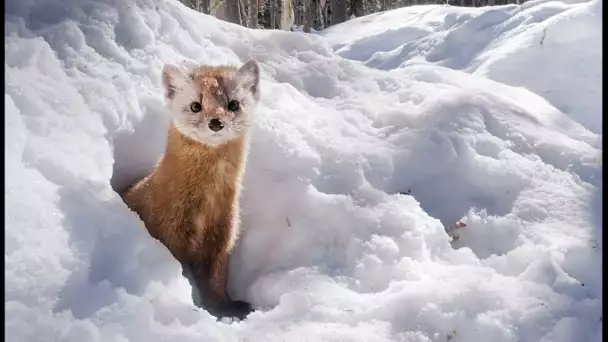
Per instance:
x=236, y=309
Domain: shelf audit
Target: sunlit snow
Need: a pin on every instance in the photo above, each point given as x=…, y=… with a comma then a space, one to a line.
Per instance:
x=370, y=139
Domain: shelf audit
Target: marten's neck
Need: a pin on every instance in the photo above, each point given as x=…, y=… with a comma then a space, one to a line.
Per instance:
x=180, y=146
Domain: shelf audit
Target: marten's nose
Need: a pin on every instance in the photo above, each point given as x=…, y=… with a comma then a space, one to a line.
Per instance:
x=216, y=124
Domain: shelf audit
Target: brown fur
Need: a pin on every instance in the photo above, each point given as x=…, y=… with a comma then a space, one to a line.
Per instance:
x=190, y=200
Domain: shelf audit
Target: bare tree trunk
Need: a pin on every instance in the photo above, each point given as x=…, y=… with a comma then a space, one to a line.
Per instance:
x=233, y=12
x=242, y=13
x=205, y=6
x=325, y=10
x=287, y=15
x=308, y=11
x=338, y=11
x=319, y=22
x=273, y=11
x=300, y=13
x=252, y=21
x=276, y=16
x=302, y=16
x=356, y=8
x=313, y=14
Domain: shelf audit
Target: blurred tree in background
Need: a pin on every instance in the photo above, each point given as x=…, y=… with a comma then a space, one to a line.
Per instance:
x=307, y=15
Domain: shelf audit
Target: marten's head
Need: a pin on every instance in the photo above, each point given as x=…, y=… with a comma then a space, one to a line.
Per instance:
x=212, y=105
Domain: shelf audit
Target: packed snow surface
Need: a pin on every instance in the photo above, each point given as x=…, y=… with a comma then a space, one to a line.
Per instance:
x=371, y=138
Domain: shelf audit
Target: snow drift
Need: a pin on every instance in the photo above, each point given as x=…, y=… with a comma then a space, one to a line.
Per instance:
x=548, y=47
x=353, y=174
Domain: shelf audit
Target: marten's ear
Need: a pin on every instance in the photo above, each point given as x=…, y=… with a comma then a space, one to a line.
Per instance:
x=173, y=78
x=248, y=78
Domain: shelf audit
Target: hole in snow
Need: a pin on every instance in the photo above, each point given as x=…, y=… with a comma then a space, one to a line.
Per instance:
x=137, y=148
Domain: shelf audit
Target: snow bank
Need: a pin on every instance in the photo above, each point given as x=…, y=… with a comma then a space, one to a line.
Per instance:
x=331, y=250
x=548, y=47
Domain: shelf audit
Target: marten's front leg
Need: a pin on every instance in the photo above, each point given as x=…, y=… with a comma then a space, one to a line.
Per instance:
x=210, y=267
x=211, y=277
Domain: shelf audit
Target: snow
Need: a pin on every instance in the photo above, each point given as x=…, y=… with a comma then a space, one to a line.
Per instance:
x=463, y=108
x=548, y=47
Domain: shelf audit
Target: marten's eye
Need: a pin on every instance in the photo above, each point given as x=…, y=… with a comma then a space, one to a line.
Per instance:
x=195, y=107
x=233, y=105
